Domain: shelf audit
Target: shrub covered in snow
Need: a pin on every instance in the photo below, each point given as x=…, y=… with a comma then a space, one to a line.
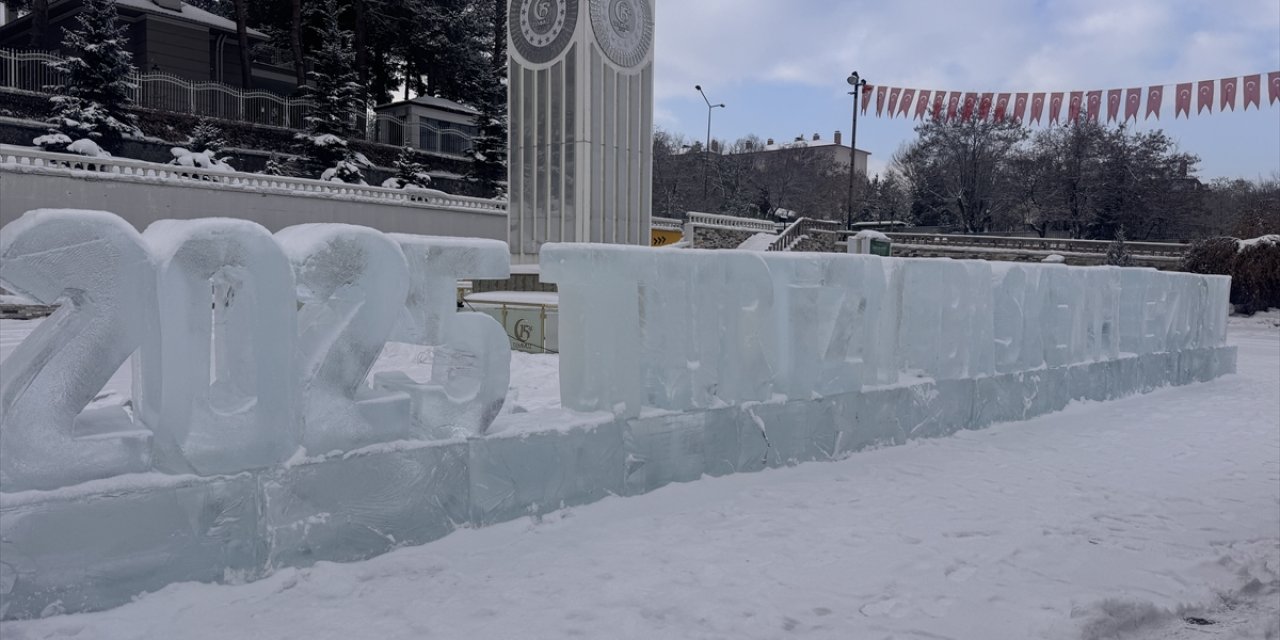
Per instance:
x=199, y=159
x=1118, y=253
x=410, y=174
x=93, y=102
x=205, y=137
x=1254, y=267
x=53, y=141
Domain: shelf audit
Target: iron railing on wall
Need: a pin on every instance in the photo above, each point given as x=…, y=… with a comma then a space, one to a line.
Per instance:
x=32, y=72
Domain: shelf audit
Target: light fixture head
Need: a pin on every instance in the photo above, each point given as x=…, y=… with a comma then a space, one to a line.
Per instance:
x=853, y=79
x=698, y=87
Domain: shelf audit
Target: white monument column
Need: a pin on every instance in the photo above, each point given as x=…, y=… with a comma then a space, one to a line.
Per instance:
x=580, y=99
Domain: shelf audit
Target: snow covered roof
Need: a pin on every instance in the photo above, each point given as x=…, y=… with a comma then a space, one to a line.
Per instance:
x=801, y=144
x=433, y=103
x=188, y=13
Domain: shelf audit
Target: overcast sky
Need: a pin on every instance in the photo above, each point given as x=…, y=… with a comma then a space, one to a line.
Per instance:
x=780, y=65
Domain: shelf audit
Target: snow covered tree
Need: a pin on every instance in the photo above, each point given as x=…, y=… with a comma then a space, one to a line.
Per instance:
x=337, y=97
x=93, y=103
x=205, y=137
x=1117, y=253
x=409, y=172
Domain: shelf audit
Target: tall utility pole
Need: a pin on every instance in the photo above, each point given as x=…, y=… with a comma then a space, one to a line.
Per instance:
x=857, y=83
x=707, y=149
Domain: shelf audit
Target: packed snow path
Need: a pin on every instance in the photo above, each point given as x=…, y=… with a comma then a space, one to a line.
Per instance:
x=1101, y=521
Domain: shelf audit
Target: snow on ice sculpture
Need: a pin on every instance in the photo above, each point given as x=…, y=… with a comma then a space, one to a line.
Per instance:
x=218, y=384
x=352, y=282
x=96, y=267
x=471, y=368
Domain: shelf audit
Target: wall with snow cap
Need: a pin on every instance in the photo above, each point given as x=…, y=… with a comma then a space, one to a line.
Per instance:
x=257, y=440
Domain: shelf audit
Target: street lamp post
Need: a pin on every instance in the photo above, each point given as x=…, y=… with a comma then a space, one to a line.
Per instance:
x=707, y=149
x=857, y=83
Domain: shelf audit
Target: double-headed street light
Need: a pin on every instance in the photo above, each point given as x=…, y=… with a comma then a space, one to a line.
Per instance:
x=857, y=83
x=707, y=149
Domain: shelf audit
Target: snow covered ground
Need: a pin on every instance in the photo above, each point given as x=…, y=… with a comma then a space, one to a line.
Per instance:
x=1108, y=520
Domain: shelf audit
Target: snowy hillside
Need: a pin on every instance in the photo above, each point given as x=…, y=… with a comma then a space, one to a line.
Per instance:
x=1124, y=519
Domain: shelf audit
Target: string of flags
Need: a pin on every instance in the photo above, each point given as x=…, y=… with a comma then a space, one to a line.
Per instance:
x=1047, y=106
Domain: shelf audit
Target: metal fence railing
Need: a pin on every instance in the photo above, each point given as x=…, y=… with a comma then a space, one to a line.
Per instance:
x=33, y=72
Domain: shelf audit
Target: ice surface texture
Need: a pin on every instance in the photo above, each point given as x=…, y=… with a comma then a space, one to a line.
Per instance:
x=689, y=329
x=256, y=440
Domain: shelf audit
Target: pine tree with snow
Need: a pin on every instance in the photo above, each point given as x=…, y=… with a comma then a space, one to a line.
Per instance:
x=489, y=153
x=93, y=104
x=409, y=172
x=277, y=167
x=336, y=97
x=1118, y=253
x=205, y=137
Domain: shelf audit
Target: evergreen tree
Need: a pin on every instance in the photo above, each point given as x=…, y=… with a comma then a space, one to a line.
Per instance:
x=94, y=101
x=337, y=97
x=205, y=137
x=1117, y=253
x=409, y=172
x=489, y=152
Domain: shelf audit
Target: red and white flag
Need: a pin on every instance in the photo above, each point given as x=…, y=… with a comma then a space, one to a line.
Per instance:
x=1252, y=91
x=1155, y=95
x=880, y=95
x=1205, y=99
x=970, y=102
x=953, y=106
x=866, y=97
x=1055, y=107
x=1073, y=107
x=1273, y=87
x=1182, y=101
x=939, y=104
x=1114, y=98
x=1002, y=107
x=905, y=102
x=1020, y=107
x=1132, y=102
x=1228, y=94
x=1037, y=107
x=893, y=101
x=1094, y=102
x=984, y=106
x=922, y=104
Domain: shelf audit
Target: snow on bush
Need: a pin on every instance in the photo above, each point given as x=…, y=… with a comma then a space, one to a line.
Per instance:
x=199, y=159
x=52, y=142
x=87, y=147
x=1254, y=267
x=1054, y=258
x=410, y=174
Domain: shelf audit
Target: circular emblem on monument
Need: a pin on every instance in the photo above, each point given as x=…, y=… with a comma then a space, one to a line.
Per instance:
x=541, y=29
x=624, y=29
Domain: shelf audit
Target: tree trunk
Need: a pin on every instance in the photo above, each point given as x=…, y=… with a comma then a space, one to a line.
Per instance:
x=242, y=36
x=40, y=24
x=362, y=51
x=295, y=41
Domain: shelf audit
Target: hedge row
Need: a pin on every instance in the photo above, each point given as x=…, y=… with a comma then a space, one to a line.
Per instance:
x=1254, y=267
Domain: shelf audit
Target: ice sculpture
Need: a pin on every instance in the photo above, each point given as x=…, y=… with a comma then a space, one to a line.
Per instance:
x=471, y=368
x=97, y=268
x=233, y=405
x=352, y=282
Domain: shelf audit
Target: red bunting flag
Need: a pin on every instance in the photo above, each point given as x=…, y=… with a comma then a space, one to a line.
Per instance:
x=970, y=102
x=1273, y=87
x=904, y=103
x=953, y=106
x=880, y=93
x=1055, y=107
x=1228, y=94
x=866, y=97
x=1132, y=101
x=1182, y=101
x=1252, y=91
x=1155, y=95
x=1002, y=107
x=1020, y=107
x=922, y=104
x=1205, y=101
x=1037, y=107
x=984, y=106
x=1073, y=107
x=1094, y=102
x=1114, y=99
x=939, y=100
x=893, y=100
